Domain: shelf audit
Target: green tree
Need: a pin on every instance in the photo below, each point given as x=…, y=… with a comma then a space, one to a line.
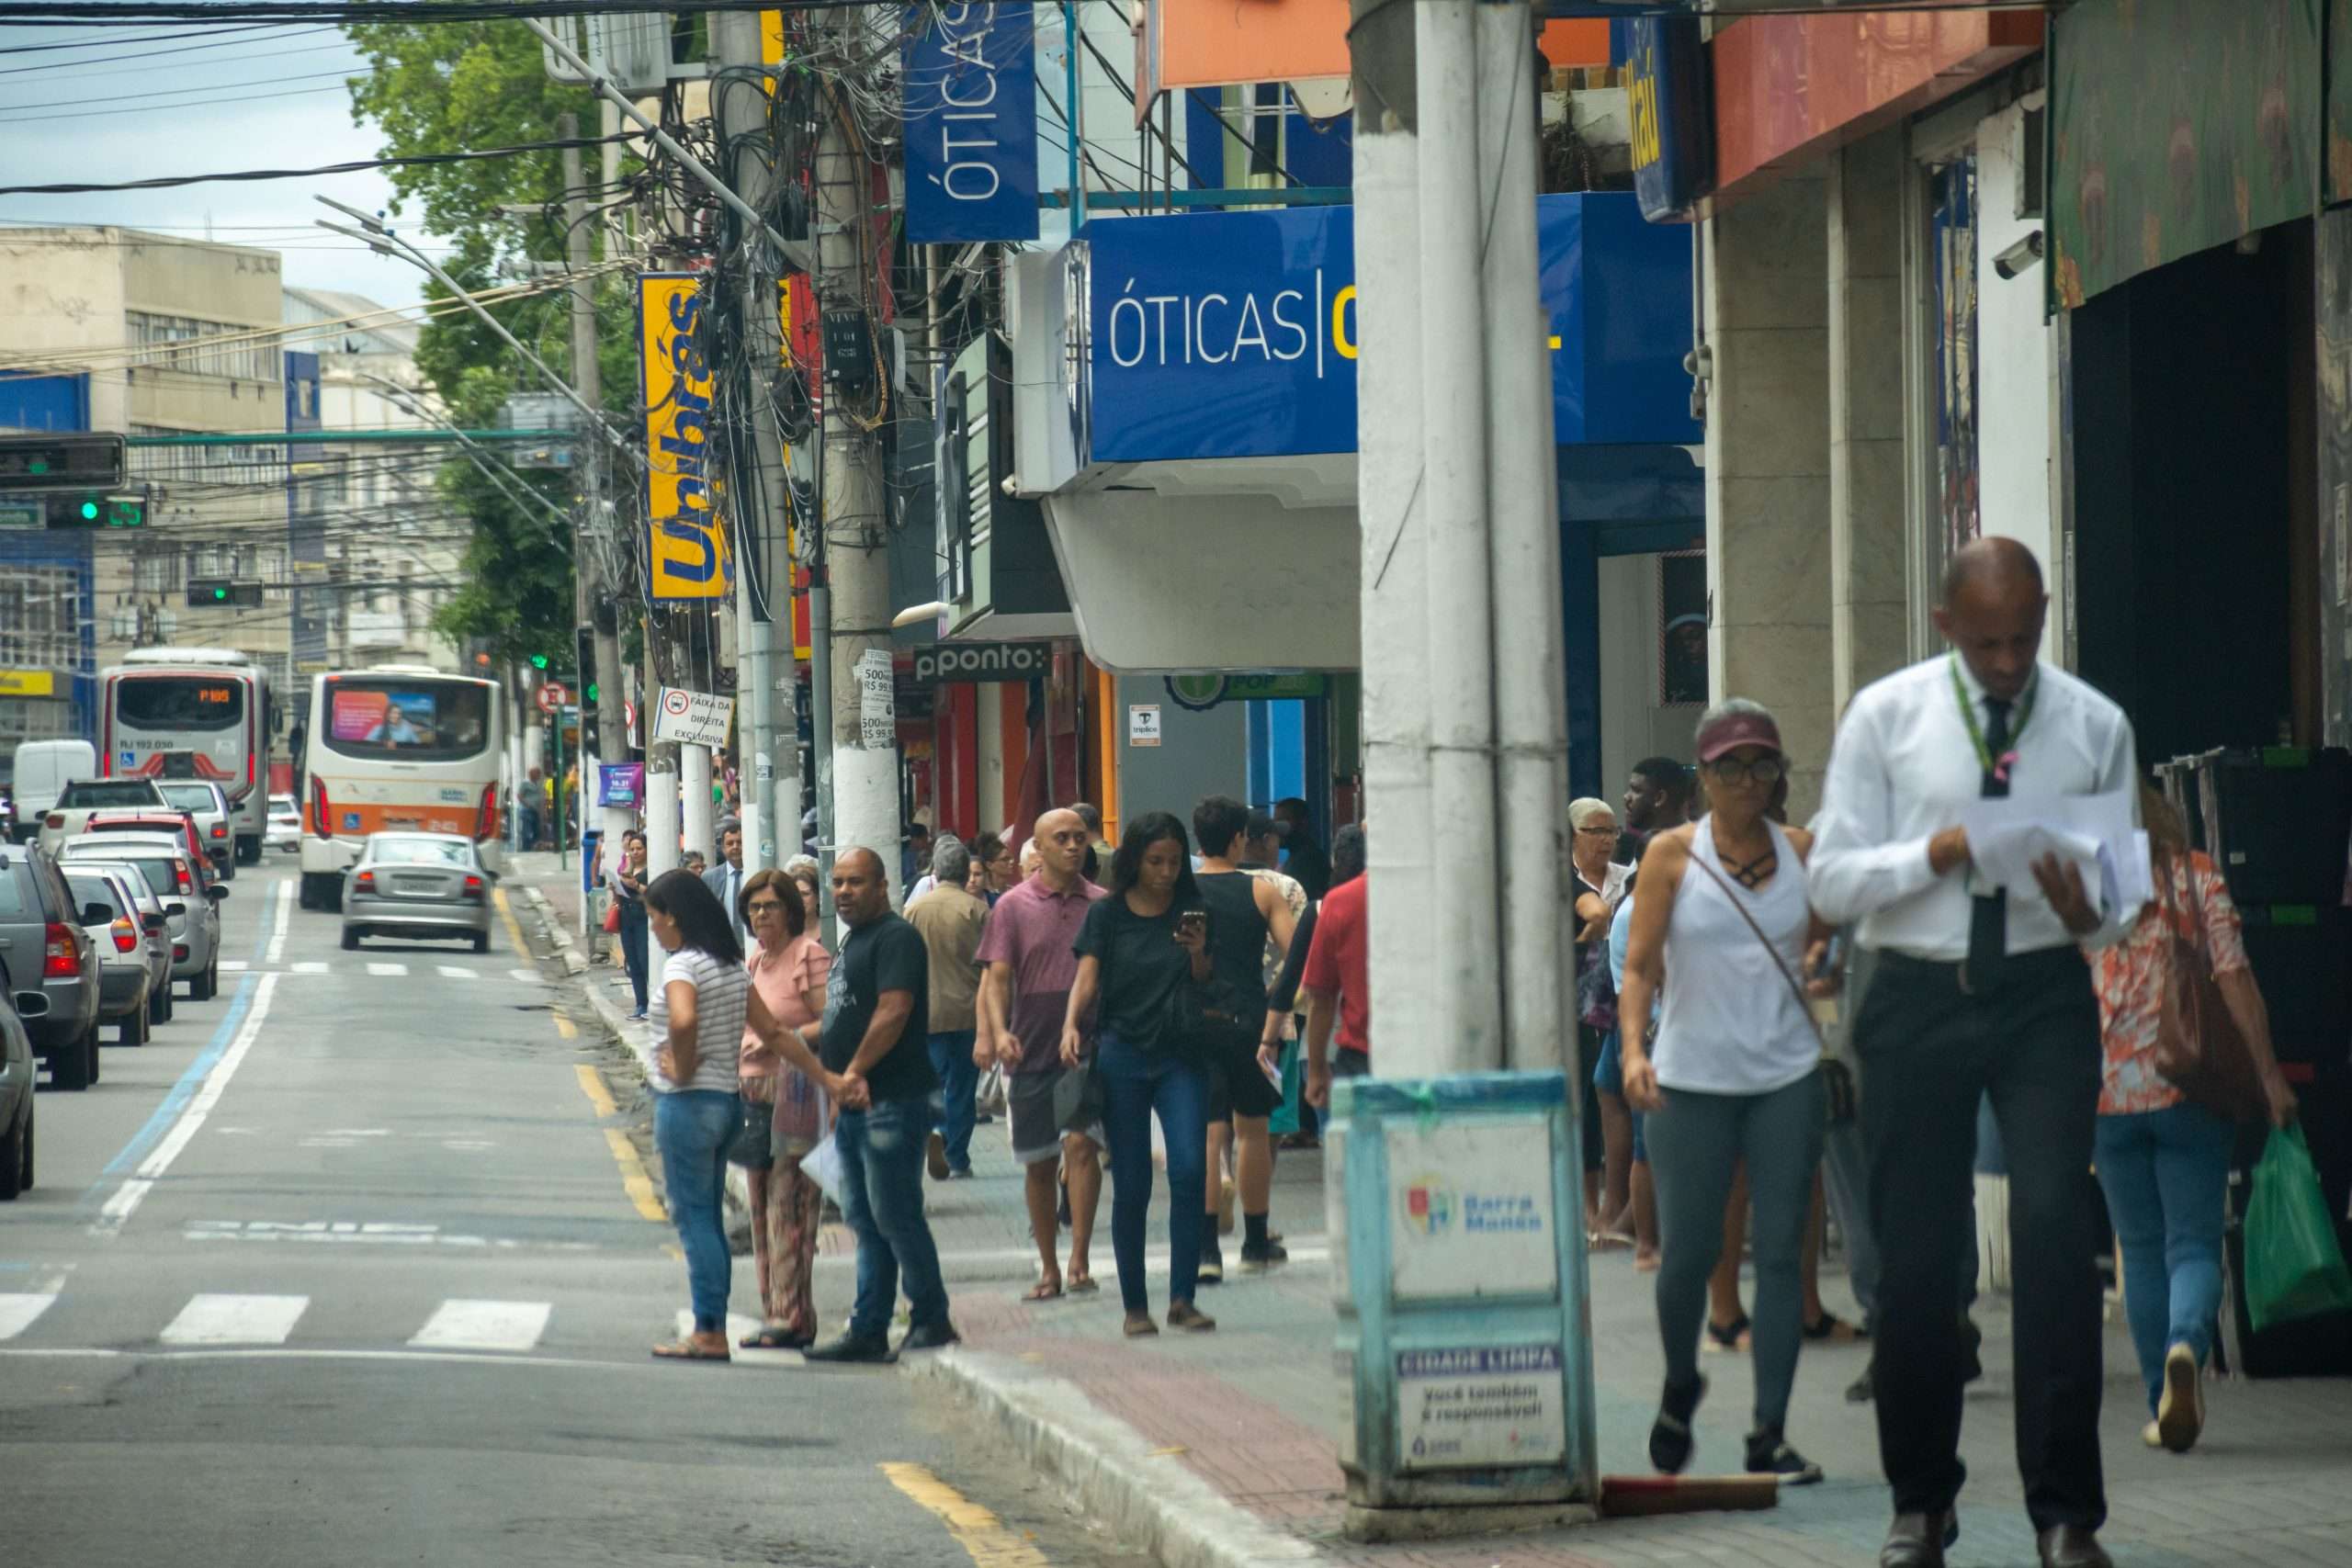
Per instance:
x=446, y=88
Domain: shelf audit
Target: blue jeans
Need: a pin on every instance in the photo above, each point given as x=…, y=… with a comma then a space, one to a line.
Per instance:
x=2166, y=1176
x=692, y=1129
x=1135, y=1084
x=951, y=1059
x=881, y=1149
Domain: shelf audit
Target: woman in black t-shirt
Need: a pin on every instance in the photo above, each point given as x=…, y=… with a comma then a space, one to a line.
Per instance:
x=1136, y=947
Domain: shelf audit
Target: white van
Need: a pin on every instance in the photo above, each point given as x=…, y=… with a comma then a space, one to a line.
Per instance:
x=43, y=770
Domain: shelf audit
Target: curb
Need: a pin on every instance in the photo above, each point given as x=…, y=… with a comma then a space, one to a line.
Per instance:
x=1147, y=1498
x=641, y=1049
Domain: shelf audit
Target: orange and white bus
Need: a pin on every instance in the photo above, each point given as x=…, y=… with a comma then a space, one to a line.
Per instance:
x=193, y=712
x=397, y=747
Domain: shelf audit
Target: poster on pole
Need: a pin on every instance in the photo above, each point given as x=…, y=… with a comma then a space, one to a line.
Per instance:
x=692, y=718
x=971, y=110
x=878, y=714
x=686, y=550
x=621, y=785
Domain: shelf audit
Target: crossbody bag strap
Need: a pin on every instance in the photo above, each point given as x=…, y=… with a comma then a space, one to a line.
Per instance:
x=1804, y=1004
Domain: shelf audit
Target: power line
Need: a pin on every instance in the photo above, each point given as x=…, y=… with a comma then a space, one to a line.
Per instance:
x=356, y=166
x=148, y=100
x=78, y=67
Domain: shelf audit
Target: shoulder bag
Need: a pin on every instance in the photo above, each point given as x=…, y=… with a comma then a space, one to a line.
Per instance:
x=1836, y=1076
x=2199, y=1048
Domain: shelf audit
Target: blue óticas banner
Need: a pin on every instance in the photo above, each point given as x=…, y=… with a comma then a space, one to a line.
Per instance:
x=971, y=113
x=1667, y=97
x=1233, y=334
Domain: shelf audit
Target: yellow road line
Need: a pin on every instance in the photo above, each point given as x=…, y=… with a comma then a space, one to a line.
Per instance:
x=513, y=930
x=634, y=1179
x=982, y=1536
x=566, y=1028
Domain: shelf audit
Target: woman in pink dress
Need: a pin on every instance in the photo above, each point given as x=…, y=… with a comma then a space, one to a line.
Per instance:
x=790, y=967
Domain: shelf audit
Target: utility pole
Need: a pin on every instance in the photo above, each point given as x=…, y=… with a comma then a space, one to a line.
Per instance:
x=864, y=782
x=765, y=692
x=588, y=588
x=661, y=849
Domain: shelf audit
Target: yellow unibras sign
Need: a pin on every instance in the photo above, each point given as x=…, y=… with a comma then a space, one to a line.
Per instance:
x=686, y=551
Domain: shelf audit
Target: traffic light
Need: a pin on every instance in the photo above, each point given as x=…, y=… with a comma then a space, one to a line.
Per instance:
x=583, y=642
x=538, y=662
x=96, y=509
x=212, y=593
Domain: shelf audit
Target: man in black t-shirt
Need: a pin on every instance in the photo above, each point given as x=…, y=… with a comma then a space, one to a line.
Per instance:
x=878, y=1011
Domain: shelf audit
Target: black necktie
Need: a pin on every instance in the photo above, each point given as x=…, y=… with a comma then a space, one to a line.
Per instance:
x=1988, y=921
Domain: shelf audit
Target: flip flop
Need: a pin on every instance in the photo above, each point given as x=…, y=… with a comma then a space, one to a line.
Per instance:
x=1080, y=1284
x=1728, y=1337
x=1830, y=1326
x=775, y=1340
x=687, y=1350
x=1044, y=1291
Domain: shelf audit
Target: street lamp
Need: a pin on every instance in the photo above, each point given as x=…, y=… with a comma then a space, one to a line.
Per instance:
x=372, y=233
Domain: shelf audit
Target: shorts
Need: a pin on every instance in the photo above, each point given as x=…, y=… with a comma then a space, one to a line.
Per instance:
x=1029, y=1097
x=1347, y=1064
x=1609, y=1078
x=1239, y=1087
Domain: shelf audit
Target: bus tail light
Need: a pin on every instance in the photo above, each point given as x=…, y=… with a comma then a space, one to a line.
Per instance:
x=126, y=935
x=486, y=819
x=473, y=887
x=321, y=822
x=61, y=956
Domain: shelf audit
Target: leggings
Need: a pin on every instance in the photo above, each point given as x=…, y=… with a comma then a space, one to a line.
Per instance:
x=1693, y=1144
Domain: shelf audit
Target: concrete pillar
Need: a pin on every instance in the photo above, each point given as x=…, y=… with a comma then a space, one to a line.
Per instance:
x=1768, y=466
x=1868, y=618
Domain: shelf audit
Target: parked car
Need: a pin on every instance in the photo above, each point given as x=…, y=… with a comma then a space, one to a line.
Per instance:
x=128, y=974
x=205, y=801
x=191, y=900
x=42, y=769
x=422, y=884
x=285, y=829
x=69, y=814
x=153, y=922
x=17, y=1069
x=41, y=939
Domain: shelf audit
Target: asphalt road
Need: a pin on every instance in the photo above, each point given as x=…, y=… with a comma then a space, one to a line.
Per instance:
x=344, y=1269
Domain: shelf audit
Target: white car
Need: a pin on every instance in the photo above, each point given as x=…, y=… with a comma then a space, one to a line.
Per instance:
x=69, y=816
x=285, y=830
x=205, y=801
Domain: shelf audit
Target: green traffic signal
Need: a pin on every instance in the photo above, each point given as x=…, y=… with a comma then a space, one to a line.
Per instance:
x=221, y=595
x=89, y=512
x=538, y=662
x=592, y=691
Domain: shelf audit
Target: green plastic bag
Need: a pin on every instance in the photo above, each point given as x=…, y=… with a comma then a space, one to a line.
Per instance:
x=1284, y=1120
x=2293, y=1268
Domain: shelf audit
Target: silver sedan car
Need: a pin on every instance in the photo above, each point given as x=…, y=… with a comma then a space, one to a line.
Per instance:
x=417, y=884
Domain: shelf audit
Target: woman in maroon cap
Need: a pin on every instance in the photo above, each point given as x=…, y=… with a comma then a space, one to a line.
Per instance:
x=1731, y=1072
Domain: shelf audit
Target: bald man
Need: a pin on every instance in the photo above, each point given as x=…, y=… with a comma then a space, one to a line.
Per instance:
x=1977, y=988
x=878, y=1011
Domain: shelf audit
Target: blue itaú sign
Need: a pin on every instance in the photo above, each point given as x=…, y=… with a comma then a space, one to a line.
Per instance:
x=1233, y=334
x=971, y=112
x=1666, y=93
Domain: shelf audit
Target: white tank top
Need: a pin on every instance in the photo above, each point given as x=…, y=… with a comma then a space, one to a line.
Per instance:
x=1731, y=1025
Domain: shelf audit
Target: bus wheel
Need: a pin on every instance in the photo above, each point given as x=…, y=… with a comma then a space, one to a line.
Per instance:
x=318, y=890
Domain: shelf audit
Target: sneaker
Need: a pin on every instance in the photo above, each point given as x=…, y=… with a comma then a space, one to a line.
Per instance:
x=930, y=1336
x=936, y=1156
x=959, y=1173
x=2181, y=1409
x=1770, y=1454
x=1257, y=1258
x=849, y=1348
x=1212, y=1270
x=1190, y=1318
x=1670, y=1439
x=2153, y=1435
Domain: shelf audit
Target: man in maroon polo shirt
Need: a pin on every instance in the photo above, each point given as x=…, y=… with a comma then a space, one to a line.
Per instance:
x=1029, y=963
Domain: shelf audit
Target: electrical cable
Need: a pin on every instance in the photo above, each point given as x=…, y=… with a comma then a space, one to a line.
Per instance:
x=354, y=166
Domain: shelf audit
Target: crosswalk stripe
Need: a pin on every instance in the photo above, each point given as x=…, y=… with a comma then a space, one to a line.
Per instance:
x=457, y=972
x=18, y=1311
x=524, y=974
x=382, y=968
x=310, y=967
x=232, y=966
x=484, y=1326
x=235, y=1320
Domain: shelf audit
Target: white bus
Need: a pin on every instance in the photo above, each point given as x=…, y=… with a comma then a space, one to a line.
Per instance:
x=399, y=745
x=193, y=712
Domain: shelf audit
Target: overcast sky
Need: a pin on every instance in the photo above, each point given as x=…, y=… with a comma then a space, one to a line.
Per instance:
x=107, y=109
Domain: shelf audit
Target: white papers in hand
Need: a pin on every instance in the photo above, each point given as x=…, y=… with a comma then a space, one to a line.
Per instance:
x=2095, y=833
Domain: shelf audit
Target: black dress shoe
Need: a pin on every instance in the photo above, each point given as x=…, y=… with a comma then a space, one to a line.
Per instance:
x=930, y=1336
x=1865, y=1389
x=2072, y=1546
x=849, y=1348
x=1919, y=1541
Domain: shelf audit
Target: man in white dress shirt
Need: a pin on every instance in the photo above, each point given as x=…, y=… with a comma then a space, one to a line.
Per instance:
x=1977, y=988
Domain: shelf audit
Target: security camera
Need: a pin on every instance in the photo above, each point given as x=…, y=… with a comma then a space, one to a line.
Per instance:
x=2020, y=257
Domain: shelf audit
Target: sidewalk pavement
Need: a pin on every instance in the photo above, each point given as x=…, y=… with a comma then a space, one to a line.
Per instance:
x=1218, y=1450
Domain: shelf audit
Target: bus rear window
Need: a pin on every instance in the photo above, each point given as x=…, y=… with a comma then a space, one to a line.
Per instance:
x=416, y=721
x=178, y=702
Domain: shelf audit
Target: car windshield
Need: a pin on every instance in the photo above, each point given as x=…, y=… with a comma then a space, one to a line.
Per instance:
x=108, y=792
x=190, y=798
x=159, y=872
x=385, y=850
